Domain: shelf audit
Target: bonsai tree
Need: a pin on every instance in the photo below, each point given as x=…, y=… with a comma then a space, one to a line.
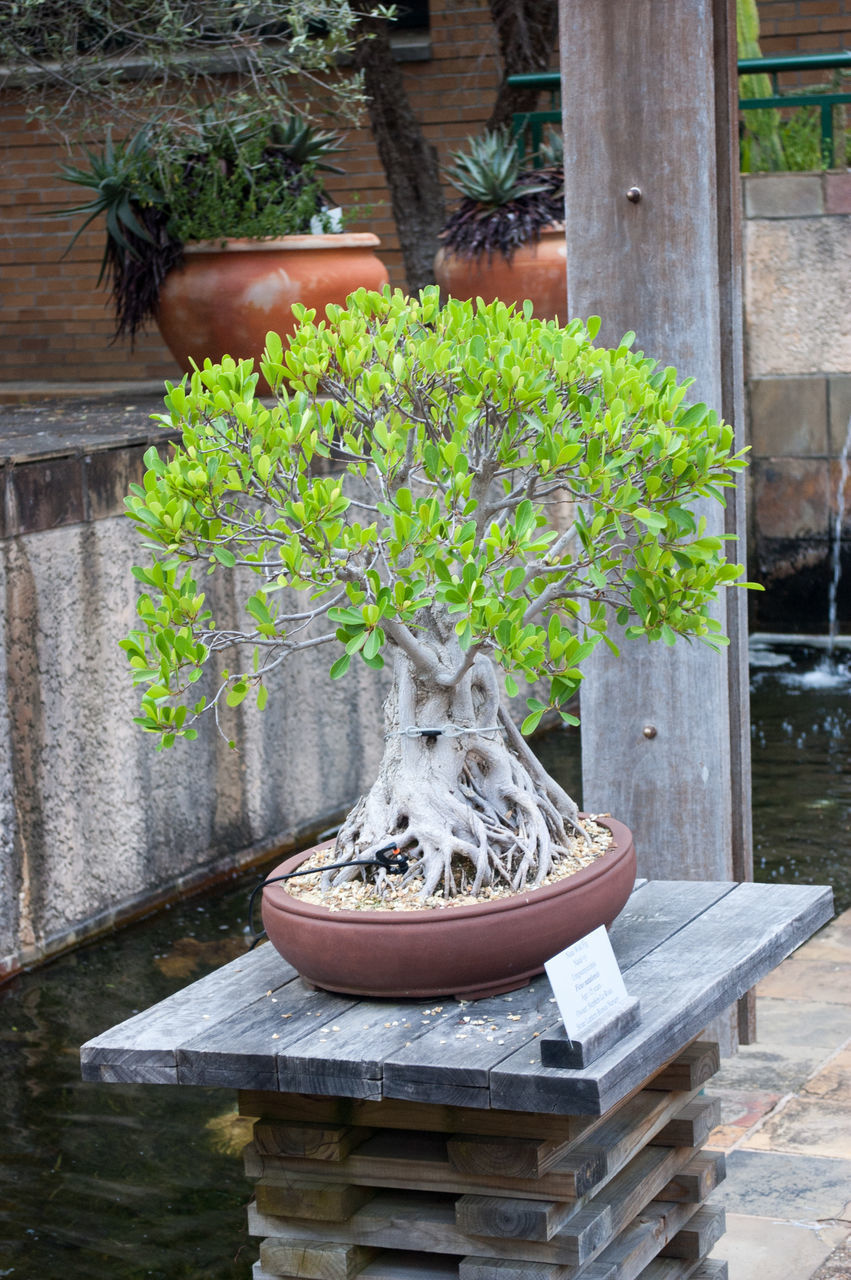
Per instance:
x=405, y=483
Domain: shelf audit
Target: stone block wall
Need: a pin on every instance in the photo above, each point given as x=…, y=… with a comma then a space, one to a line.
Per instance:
x=797, y=266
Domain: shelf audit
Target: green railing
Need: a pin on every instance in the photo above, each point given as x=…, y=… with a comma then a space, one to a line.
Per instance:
x=528, y=127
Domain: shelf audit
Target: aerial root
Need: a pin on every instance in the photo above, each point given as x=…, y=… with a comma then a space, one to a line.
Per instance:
x=496, y=827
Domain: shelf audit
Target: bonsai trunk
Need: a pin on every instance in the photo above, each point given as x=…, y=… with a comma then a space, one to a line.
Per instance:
x=469, y=806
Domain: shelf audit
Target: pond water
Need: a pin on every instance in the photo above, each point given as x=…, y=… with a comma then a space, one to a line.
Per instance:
x=124, y=1182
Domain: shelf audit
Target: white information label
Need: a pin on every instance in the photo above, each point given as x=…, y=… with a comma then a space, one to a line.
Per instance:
x=586, y=983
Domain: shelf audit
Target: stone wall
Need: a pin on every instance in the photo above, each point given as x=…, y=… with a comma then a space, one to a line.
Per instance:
x=797, y=267
x=95, y=824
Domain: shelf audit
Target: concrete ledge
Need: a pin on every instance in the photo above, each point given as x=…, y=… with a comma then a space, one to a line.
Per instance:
x=796, y=195
x=783, y=195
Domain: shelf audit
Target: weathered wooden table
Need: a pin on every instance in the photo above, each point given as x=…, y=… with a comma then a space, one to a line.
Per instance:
x=425, y=1139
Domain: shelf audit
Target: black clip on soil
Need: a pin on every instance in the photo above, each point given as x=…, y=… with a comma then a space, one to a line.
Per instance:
x=389, y=856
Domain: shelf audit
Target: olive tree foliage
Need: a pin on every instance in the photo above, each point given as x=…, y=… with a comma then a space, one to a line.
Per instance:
x=80, y=62
x=404, y=482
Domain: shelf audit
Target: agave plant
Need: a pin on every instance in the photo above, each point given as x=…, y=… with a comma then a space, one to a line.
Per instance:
x=304, y=144
x=504, y=205
x=227, y=178
x=139, y=248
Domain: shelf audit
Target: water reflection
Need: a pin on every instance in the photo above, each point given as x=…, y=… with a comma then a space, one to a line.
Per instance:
x=800, y=734
x=116, y=1181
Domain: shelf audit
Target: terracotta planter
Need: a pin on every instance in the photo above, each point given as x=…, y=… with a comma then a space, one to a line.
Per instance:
x=227, y=297
x=536, y=271
x=466, y=951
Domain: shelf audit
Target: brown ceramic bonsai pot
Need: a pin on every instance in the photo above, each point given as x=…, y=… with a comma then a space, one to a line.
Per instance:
x=228, y=295
x=537, y=271
x=470, y=951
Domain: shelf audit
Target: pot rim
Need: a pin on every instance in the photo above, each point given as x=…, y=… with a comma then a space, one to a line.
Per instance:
x=434, y=916
x=335, y=240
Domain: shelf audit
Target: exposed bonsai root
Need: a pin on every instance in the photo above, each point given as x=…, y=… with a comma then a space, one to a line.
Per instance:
x=491, y=826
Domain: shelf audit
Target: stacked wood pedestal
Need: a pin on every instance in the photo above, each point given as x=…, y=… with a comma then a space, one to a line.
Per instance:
x=395, y=1190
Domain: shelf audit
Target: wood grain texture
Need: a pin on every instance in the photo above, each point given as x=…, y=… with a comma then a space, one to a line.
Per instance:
x=594, y=1042
x=314, y=1261
x=243, y=1048
x=454, y=1060
x=393, y=1113
x=682, y=986
x=309, y=1140
x=691, y=1126
x=704, y=1172
x=320, y=1200
x=419, y=1161
x=697, y=1064
x=390, y=1264
x=348, y=1055
x=510, y=1157
x=689, y=949
x=704, y=1231
x=640, y=1242
x=511, y=1218
x=426, y=1222
x=149, y=1040
x=652, y=266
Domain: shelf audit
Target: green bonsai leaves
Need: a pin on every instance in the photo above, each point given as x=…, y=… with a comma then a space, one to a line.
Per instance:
x=468, y=461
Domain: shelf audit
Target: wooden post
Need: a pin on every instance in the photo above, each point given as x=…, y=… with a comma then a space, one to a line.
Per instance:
x=652, y=204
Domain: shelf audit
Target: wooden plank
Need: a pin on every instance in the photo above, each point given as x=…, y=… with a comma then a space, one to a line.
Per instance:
x=598, y=1155
x=623, y=1260
x=243, y=1048
x=393, y=1220
x=315, y=1198
x=144, y=1047
x=393, y=1113
x=419, y=1161
x=706, y=1171
x=308, y=1140
x=669, y=1269
x=682, y=986
x=639, y=1243
x=476, y=1268
x=477, y=1154
x=347, y=1056
x=390, y=1264
x=691, y=1126
x=453, y=1062
x=314, y=1261
x=710, y=1269
x=629, y=1129
x=697, y=1064
x=658, y=1269
x=426, y=1222
x=511, y=1218
x=704, y=1231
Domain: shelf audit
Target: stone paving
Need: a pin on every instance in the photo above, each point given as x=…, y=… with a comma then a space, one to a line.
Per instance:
x=786, y=1122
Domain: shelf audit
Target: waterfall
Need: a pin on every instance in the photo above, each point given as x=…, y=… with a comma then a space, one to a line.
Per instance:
x=836, y=544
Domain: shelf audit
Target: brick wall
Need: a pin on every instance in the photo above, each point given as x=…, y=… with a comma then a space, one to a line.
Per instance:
x=804, y=26
x=56, y=325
